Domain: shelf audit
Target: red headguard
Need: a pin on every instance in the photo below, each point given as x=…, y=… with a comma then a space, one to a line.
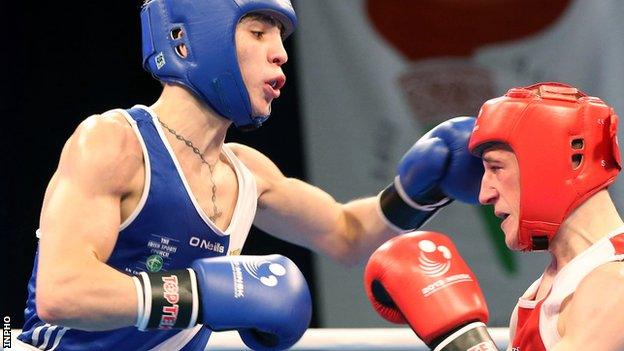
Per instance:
x=566, y=146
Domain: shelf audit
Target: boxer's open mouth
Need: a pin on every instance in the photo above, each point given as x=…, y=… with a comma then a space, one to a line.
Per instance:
x=501, y=215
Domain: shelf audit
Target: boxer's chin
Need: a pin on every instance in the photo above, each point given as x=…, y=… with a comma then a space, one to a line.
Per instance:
x=511, y=240
x=261, y=109
x=509, y=226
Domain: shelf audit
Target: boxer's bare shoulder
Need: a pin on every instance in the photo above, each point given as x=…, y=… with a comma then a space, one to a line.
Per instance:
x=589, y=317
x=263, y=169
x=106, y=148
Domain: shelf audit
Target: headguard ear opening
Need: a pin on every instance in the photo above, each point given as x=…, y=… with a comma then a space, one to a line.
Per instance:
x=577, y=145
x=577, y=160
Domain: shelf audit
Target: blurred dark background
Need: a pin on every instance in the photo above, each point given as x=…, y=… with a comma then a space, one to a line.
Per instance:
x=63, y=62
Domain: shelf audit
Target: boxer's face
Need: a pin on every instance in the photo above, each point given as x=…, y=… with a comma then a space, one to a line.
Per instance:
x=261, y=54
x=500, y=187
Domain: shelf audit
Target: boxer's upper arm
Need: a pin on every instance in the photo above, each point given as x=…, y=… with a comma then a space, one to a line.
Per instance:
x=80, y=217
x=287, y=207
x=82, y=199
x=593, y=320
x=306, y=215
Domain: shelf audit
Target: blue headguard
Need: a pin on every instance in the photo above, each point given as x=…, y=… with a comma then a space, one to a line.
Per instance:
x=210, y=69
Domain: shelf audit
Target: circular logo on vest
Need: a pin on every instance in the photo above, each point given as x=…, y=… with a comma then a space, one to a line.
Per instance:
x=154, y=263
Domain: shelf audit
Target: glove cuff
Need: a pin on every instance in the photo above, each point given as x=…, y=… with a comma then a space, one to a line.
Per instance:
x=167, y=300
x=471, y=336
x=401, y=212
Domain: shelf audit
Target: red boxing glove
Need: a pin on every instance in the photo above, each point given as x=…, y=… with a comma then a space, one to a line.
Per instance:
x=420, y=279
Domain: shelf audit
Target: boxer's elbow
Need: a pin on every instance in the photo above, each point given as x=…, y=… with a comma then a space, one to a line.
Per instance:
x=48, y=310
x=57, y=301
x=60, y=313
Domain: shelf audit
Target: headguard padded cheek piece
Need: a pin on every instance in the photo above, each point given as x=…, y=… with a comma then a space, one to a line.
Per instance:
x=566, y=146
x=210, y=69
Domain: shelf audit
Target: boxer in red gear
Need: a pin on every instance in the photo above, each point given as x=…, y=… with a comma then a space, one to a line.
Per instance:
x=420, y=279
x=550, y=152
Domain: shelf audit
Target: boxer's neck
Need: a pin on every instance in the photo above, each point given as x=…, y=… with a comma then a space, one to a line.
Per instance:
x=192, y=119
x=588, y=223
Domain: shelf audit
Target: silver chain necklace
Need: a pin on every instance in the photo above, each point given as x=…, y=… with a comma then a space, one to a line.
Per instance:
x=216, y=213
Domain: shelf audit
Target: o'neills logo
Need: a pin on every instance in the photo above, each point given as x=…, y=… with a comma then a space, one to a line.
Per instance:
x=434, y=260
x=171, y=294
x=206, y=245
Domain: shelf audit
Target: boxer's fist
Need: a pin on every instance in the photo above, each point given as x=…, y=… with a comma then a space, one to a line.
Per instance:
x=265, y=298
x=440, y=160
x=420, y=279
x=436, y=170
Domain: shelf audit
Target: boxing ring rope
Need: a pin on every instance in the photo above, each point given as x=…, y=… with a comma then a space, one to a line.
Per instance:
x=387, y=339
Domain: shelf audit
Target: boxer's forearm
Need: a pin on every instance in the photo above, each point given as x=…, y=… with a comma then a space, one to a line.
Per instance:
x=306, y=215
x=86, y=295
x=349, y=232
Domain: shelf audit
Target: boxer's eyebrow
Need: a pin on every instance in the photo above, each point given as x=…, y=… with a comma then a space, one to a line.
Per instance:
x=492, y=160
x=267, y=19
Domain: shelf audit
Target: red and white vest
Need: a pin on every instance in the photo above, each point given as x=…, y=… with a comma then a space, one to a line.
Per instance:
x=535, y=322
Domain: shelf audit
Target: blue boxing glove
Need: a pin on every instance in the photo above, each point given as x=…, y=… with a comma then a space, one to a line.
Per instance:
x=435, y=171
x=265, y=298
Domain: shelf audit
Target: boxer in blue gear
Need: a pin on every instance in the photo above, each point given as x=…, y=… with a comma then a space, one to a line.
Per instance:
x=143, y=220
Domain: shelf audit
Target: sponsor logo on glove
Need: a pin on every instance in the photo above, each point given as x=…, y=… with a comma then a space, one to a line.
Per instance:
x=265, y=271
x=433, y=259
